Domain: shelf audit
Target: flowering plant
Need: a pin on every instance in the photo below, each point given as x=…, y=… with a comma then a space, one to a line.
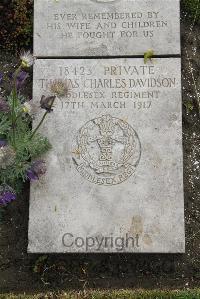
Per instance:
x=20, y=146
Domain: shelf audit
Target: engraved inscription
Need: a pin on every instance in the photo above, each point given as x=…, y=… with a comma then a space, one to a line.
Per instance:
x=113, y=86
x=106, y=27
x=106, y=150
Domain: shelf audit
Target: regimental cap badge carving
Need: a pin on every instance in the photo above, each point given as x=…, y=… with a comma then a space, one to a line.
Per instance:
x=109, y=150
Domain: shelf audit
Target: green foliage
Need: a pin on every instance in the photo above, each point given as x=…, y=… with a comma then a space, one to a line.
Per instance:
x=38, y=145
x=22, y=147
x=189, y=106
x=16, y=24
x=39, y=264
x=4, y=124
x=192, y=8
x=26, y=147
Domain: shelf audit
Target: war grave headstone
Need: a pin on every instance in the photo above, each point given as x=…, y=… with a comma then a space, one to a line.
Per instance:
x=114, y=181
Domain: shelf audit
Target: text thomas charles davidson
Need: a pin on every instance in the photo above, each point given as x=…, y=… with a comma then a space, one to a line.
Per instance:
x=92, y=243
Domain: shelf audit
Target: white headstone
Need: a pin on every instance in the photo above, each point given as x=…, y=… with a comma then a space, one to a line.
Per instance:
x=115, y=172
x=106, y=28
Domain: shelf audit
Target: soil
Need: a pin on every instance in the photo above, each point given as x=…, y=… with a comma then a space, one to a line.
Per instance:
x=23, y=272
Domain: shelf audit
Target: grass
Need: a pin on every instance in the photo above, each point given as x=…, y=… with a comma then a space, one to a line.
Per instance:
x=123, y=294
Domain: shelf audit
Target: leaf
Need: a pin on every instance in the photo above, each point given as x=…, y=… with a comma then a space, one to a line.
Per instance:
x=5, y=124
x=40, y=263
x=189, y=106
x=38, y=145
x=148, y=55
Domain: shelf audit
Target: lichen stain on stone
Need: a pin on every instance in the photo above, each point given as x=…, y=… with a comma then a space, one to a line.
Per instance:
x=147, y=240
x=155, y=229
x=137, y=225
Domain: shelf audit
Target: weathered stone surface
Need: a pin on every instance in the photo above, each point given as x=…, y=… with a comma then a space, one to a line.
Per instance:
x=106, y=28
x=114, y=179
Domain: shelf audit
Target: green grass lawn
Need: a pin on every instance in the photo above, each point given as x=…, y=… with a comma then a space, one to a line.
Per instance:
x=123, y=294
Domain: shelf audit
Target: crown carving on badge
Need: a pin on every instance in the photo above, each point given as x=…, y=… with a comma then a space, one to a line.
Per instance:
x=106, y=125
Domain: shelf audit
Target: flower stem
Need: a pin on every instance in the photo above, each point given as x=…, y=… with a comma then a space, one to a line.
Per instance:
x=18, y=116
x=14, y=101
x=40, y=123
x=42, y=120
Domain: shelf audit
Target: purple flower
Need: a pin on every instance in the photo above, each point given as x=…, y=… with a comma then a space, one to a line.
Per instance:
x=37, y=169
x=3, y=143
x=7, y=194
x=7, y=197
x=31, y=175
x=21, y=78
x=4, y=107
x=1, y=78
x=10, y=75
